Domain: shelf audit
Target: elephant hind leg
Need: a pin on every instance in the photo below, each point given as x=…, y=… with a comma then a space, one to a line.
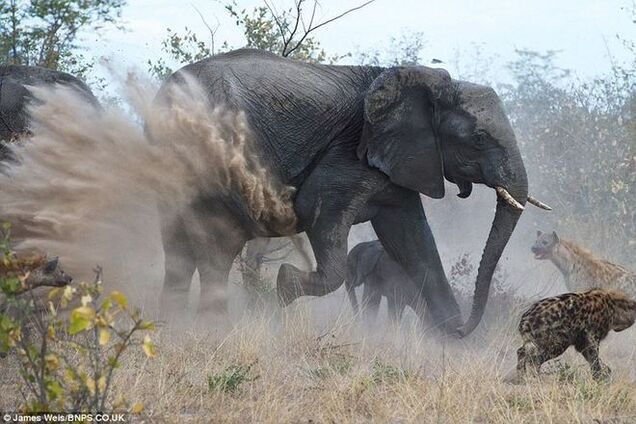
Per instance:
x=218, y=242
x=179, y=266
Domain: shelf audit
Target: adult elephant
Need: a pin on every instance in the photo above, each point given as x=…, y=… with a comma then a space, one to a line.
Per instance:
x=14, y=95
x=14, y=99
x=358, y=143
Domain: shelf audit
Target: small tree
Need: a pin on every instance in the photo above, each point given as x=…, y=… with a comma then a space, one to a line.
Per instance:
x=46, y=32
x=405, y=50
x=288, y=33
x=67, y=361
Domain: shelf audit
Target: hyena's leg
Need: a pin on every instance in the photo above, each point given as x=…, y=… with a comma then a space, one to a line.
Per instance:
x=530, y=355
x=588, y=346
x=521, y=361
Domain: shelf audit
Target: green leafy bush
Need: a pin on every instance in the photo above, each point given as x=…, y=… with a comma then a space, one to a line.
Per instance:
x=67, y=358
x=230, y=379
x=579, y=144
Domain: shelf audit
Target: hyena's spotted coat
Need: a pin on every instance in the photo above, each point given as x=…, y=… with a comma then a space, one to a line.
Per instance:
x=581, y=269
x=35, y=271
x=581, y=320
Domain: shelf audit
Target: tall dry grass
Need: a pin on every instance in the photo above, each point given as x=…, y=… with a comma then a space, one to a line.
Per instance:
x=291, y=368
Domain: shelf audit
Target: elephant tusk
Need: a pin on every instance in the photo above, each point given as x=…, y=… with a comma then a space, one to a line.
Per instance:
x=503, y=193
x=538, y=203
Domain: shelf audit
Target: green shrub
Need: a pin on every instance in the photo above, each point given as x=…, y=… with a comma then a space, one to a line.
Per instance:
x=386, y=373
x=230, y=379
x=67, y=358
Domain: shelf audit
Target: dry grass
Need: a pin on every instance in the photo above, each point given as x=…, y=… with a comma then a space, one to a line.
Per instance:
x=283, y=368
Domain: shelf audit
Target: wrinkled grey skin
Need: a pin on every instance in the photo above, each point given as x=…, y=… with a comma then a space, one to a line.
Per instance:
x=368, y=264
x=14, y=97
x=358, y=144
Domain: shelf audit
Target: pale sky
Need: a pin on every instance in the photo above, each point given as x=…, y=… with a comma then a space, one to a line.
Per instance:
x=584, y=30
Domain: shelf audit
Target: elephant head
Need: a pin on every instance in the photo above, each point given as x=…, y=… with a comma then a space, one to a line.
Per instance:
x=422, y=127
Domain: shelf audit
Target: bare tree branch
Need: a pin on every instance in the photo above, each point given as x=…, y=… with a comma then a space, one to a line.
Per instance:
x=313, y=14
x=212, y=31
x=312, y=28
x=281, y=29
x=299, y=14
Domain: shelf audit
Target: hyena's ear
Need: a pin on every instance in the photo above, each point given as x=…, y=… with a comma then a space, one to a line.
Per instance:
x=555, y=236
x=539, y=233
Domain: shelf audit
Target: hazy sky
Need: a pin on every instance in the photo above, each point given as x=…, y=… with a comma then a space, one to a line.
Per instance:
x=583, y=30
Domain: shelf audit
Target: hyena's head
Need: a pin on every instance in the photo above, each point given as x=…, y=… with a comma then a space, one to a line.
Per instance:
x=624, y=310
x=545, y=245
x=48, y=273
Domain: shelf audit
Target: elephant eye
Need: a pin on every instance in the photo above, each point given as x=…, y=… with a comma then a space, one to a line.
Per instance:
x=480, y=137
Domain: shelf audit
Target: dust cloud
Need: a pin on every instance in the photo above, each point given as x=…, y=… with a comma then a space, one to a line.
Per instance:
x=89, y=178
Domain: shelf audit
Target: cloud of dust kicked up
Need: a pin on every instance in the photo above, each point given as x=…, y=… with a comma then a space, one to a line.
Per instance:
x=82, y=161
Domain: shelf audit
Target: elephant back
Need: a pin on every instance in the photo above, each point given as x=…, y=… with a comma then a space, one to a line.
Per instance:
x=14, y=95
x=294, y=109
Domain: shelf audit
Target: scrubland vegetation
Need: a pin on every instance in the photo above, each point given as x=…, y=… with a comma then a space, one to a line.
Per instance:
x=311, y=363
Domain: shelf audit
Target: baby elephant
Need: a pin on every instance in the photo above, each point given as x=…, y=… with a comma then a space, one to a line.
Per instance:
x=369, y=264
x=583, y=319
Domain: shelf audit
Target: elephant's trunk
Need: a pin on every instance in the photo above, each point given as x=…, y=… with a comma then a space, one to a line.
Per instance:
x=503, y=225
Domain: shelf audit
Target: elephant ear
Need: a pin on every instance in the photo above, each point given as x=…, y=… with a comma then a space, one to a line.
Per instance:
x=399, y=136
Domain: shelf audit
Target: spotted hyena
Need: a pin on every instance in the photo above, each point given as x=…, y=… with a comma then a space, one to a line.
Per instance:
x=581, y=269
x=581, y=320
x=34, y=271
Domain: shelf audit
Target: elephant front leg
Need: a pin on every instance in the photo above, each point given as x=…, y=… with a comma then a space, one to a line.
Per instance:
x=405, y=235
x=329, y=201
x=329, y=242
